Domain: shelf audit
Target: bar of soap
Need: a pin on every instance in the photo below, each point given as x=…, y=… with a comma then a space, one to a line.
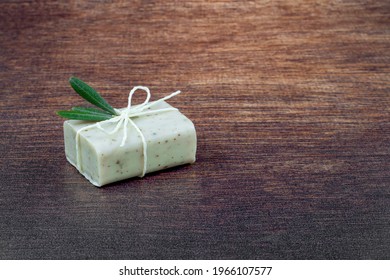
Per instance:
x=170, y=137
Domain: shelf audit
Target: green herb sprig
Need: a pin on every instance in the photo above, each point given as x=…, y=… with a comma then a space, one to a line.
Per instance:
x=93, y=97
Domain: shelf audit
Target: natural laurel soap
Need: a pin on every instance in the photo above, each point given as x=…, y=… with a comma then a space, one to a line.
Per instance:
x=170, y=139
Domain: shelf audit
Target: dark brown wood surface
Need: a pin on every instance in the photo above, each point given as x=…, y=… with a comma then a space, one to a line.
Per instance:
x=291, y=101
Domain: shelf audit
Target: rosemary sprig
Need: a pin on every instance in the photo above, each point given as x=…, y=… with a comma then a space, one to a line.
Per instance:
x=75, y=115
x=90, y=111
x=92, y=96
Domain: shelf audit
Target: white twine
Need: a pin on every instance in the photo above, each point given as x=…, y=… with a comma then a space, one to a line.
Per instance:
x=123, y=118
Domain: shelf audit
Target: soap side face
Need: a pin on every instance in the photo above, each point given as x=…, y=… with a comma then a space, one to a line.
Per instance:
x=170, y=137
x=90, y=161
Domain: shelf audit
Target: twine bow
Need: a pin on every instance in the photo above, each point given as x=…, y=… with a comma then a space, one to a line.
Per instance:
x=124, y=118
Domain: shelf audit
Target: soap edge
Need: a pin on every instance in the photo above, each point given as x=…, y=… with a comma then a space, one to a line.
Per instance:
x=82, y=173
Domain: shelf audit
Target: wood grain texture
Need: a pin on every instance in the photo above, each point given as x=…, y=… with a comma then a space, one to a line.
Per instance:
x=291, y=104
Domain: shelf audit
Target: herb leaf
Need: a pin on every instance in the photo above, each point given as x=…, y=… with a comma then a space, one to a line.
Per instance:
x=84, y=115
x=91, y=95
x=90, y=111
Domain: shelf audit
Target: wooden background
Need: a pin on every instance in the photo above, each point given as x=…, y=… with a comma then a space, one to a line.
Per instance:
x=291, y=101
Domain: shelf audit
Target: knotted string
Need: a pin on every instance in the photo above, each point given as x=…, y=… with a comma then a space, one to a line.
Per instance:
x=124, y=118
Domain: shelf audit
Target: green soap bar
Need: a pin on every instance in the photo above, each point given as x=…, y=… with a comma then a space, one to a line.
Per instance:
x=170, y=137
